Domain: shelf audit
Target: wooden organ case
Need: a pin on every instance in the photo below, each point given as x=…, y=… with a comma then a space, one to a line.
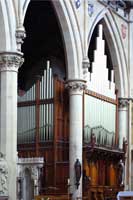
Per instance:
x=103, y=161
x=43, y=129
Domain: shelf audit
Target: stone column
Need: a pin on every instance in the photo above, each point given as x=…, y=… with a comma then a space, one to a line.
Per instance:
x=130, y=64
x=123, y=132
x=123, y=120
x=9, y=64
x=130, y=145
x=76, y=88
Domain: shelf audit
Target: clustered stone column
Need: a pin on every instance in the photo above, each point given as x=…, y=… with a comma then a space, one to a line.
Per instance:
x=9, y=64
x=76, y=88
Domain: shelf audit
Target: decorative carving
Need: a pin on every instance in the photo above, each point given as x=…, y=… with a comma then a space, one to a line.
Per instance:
x=86, y=66
x=76, y=85
x=77, y=3
x=34, y=173
x=121, y=172
x=10, y=61
x=77, y=167
x=33, y=165
x=90, y=9
x=123, y=102
x=123, y=31
x=3, y=176
x=102, y=153
x=20, y=35
x=86, y=63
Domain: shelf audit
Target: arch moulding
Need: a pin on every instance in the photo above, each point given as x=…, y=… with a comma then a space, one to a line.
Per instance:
x=72, y=46
x=116, y=49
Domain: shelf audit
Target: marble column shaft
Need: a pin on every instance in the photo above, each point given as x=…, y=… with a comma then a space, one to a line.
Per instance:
x=123, y=120
x=123, y=131
x=9, y=64
x=76, y=88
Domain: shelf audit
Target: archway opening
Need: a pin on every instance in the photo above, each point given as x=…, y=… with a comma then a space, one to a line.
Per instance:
x=43, y=42
x=42, y=98
x=92, y=47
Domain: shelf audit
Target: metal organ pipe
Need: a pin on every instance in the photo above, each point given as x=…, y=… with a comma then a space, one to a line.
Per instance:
x=27, y=110
x=99, y=119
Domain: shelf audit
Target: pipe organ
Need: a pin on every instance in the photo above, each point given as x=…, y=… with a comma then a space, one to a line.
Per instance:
x=100, y=119
x=43, y=130
x=100, y=99
x=101, y=152
x=36, y=104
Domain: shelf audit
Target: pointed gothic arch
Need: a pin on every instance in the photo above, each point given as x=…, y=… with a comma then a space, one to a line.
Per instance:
x=71, y=36
x=8, y=27
x=3, y=42
x=116, y=49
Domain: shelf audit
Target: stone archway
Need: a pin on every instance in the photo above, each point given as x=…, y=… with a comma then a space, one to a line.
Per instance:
x=116, y=50
x=72, y=39
x=28, y=177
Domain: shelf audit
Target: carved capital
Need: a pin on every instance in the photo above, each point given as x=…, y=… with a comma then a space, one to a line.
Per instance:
x=10, y=61
x=20, y=35
x=123, y=102
x=76, y=85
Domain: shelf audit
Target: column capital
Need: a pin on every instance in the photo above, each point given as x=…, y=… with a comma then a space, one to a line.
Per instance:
x=76, y=85
x=10, y=61
x=123, y=102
